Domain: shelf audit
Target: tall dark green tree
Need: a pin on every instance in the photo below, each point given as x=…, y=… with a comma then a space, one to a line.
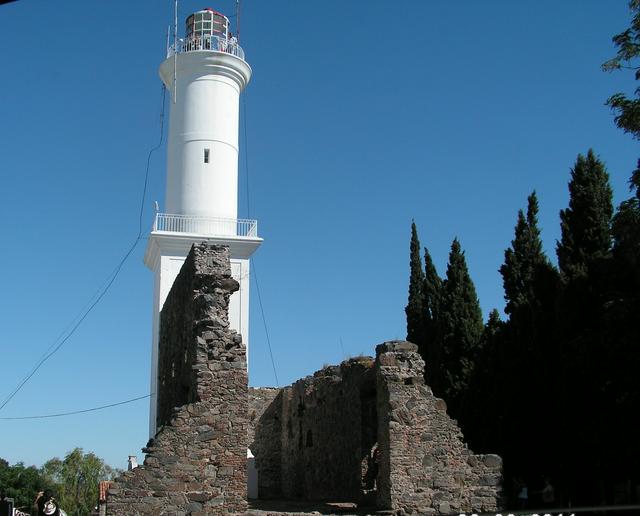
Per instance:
x=432, y=291
x=524, y=261
x=584, y=258
x=460, y=326
x=585, y=224
x=482, y=417
x=415, y=308
x=528, y=352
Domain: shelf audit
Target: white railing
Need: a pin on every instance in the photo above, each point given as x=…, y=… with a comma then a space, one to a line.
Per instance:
x=213, y=43
x=209, y=226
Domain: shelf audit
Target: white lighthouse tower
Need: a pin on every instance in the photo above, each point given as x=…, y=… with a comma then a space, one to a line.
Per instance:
x=205, y=72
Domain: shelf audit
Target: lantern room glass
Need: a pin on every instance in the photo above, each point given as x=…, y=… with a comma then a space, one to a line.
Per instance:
x=204, y=24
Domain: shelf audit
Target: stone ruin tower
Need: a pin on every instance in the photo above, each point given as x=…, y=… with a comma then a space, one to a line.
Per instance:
x=205, y=71
x=197, y=462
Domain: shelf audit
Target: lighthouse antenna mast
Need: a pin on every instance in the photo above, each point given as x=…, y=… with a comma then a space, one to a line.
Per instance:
x=175, y=50
x=238, y=20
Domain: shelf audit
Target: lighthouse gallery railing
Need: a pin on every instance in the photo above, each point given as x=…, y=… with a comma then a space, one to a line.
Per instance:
x=207, y=42
x=210, y=226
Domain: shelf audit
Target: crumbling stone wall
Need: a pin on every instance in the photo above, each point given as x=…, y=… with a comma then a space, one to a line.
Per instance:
x=324, y=440
x=265, y=439
x=370, y=428
x=424, y=465
x=196, y=464
x=310, y=442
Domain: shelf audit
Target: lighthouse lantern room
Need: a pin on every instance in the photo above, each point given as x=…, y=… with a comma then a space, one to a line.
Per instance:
x=205, y=72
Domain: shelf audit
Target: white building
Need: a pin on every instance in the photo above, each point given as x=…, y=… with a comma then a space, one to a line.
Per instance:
x=205, y=72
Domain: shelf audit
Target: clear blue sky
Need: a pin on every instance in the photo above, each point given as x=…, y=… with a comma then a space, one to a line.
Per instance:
x=360, y=117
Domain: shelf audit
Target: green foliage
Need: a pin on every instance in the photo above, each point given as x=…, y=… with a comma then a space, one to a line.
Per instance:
x=415, y=304
x=21, y=483
x=625, y=228
x=560, y=375
x=432, y=292
x=523, y=260
x=483, y=400
x=73, y=480
x=494, y=323
x=77, y=477
x=528, y=349
x=432, y=349
x=585, y=224
x=627, y=110
x=611, y=341
x=460, y=325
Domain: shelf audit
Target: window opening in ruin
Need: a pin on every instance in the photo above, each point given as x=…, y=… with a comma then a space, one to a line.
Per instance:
x=309, y=439
x=206, y=155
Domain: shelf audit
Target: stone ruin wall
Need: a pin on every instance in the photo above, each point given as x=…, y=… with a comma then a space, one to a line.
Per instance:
x=311, y=441
x=196, y=464
x=423, y=460
x=366, y=424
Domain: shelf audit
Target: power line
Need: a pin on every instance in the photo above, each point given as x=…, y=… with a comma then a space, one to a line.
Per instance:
x=61, y=414
x=264, y=321
x=73, y=329
x=146, y=174
x=82, y=315
x=255, y=272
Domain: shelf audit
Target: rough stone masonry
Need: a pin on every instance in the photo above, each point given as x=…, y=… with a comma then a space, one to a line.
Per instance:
x=196, y=464
x=369, y=431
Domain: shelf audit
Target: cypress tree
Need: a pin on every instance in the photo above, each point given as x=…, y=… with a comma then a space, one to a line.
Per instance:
x=585, y=262
x=529, y=353
x=523, y=260
x=461, y=326
x=432, y=342
x=415, y=304
x=483, y=400
x=585, y=224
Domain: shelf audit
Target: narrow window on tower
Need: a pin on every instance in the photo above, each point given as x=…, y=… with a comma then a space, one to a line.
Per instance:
x=206, y=155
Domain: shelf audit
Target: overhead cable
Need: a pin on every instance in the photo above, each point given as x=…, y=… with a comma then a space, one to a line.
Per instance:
x=255, y=272
x=61, y=414
x=82, y=315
